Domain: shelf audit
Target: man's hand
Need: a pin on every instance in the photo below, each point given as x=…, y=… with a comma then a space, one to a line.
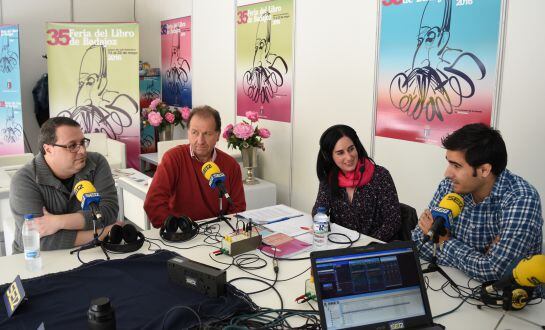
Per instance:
x=48, y=224
x=425, y=221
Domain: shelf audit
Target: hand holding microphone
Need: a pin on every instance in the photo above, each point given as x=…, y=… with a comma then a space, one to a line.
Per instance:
x=215, y=178
x=449, y=208
x=89, y=198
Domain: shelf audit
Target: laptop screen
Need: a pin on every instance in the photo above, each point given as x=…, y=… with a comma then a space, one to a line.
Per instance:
x=370, y=287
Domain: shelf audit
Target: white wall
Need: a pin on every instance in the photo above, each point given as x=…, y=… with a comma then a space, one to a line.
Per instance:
x=333, y=83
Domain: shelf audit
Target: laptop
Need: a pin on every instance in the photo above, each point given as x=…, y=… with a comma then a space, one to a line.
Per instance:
x=371, y=287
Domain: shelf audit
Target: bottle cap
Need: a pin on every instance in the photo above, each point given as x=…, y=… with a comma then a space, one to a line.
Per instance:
x=29, y=216
x=320, y=209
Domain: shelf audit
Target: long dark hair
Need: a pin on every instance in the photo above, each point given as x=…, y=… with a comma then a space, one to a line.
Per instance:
x=326, y=169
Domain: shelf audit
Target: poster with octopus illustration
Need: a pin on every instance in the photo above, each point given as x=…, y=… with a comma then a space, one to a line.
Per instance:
x=264, y=63
x=11, y=116
x=438, y=66
x=93, y=78
x=176, y=61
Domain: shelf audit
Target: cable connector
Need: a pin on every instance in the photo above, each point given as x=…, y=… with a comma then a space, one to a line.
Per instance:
x=275, y=265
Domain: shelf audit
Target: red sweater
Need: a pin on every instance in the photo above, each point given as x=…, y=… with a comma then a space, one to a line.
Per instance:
x=179, y=188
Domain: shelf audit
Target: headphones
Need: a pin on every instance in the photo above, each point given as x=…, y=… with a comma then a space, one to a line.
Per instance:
x=514, y=297
x=169, y=229
x=132, y=238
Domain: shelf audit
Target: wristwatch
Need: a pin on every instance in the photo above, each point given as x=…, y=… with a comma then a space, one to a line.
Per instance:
x=442, y=244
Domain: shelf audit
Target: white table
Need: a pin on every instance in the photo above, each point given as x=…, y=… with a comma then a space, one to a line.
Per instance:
x=149, y=158
x=133, y=188
x=467, y=317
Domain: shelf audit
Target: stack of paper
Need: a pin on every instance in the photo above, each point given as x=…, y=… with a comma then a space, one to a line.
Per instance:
x=270, y=214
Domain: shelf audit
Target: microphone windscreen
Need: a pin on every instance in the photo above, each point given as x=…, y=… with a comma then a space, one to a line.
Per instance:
x=116, y=234
x=129, y=233
x=452, y=202
x=208, y=169
x=83, y=187
x=530, y=271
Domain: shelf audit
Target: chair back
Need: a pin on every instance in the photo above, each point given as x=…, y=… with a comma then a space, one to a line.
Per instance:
x=98, y=143
x=13, y=160
x=164, y=146
x=409, y=220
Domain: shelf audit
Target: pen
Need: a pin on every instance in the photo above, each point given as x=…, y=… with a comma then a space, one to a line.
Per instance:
x=284, y=219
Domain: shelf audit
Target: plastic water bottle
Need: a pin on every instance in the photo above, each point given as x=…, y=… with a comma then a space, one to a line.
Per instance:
x=31, y=242
x=321, y=227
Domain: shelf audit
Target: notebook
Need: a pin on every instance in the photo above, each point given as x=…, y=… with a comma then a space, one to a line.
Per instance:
x=371, y=287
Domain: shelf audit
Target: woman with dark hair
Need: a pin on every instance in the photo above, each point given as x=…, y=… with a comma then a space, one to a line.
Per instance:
x=357, y=193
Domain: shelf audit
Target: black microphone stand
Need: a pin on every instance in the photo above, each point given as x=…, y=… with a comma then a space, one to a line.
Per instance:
x=221, y=216
x=94, y=243
x=433, y=266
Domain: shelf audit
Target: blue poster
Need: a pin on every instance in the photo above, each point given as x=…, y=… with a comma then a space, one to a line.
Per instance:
x=11, y=116
x=437, y=67
x=150, y=89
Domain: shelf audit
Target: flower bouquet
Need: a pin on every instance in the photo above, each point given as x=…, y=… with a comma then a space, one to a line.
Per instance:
x=247, y=138
x=163, y=117
x=244, y=135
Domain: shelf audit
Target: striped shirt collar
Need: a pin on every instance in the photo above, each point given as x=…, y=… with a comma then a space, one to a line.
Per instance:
x=214, y=154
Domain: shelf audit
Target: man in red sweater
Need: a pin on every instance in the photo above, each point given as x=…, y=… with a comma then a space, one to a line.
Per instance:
x=178, y=186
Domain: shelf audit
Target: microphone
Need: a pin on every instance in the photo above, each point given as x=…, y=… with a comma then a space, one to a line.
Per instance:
x=528, y=272
x=215, y=178
x=449, y=208
x=89, y=198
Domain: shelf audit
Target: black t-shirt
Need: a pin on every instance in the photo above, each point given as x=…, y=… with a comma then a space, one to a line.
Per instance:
x=68, y=183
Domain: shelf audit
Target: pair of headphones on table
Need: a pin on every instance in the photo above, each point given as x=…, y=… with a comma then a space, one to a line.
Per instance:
x=169, y=230
x=123, y=239
x=513, y=297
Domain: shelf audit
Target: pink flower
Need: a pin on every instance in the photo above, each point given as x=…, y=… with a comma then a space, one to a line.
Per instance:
x=170, y=117
x=227, y=131
x=153, y=105
x=243, y=130
x=185, y=112
x=252, y=115
x=145, y=112
x=155, y=118
x=264, y=133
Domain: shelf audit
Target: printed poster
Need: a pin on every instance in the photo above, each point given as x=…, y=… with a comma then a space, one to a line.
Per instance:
x=176, y=61
x=150, y=89
x=11, y=115
x=437, y=68
x=93, y=78
x=264, y=59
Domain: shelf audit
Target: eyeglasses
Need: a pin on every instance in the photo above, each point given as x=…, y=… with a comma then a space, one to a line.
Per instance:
x=74, y=147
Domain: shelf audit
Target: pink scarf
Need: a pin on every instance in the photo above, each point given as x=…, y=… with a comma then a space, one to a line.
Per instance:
x=356, y=178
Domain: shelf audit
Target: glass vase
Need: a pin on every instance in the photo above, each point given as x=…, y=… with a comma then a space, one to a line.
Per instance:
x=165, y=134
x=249, y=161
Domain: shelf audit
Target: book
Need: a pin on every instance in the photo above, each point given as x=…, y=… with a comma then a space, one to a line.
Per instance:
x=282, y=245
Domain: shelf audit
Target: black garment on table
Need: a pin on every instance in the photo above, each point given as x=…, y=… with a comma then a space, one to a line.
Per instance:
x=139, y=290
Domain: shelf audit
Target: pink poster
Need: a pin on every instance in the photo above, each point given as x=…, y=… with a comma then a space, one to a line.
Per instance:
x=176, y=61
